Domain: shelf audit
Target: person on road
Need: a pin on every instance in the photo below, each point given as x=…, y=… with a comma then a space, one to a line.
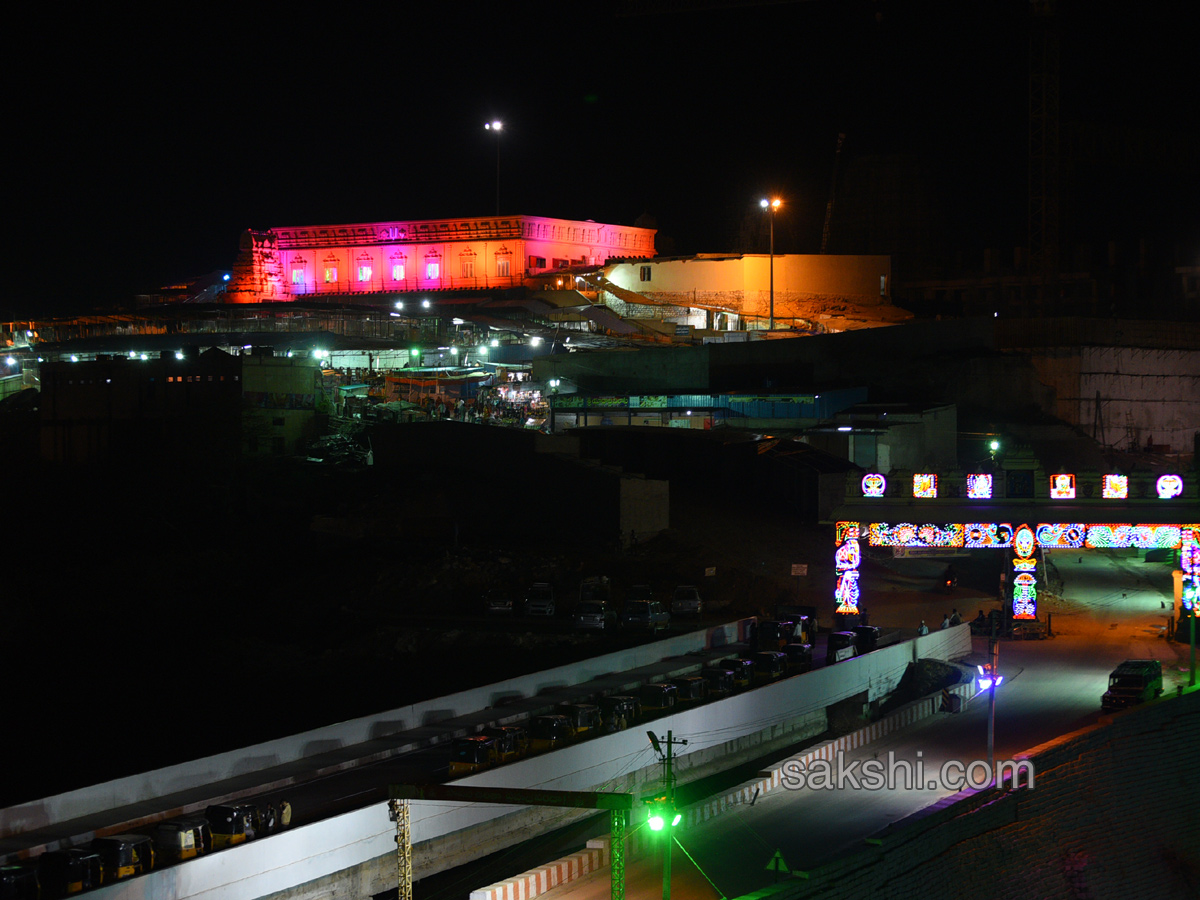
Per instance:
x=922, y=628
x=285, y=814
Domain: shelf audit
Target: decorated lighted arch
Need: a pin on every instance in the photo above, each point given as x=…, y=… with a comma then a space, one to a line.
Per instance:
x=1023, y=540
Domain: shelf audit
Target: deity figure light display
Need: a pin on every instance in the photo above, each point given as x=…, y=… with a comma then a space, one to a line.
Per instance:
x=925, y=486
x=979, y=487
x=1062, y=487
x=1169, y=486
x=1115, y=487
x=873, y=485
x=1024, y=581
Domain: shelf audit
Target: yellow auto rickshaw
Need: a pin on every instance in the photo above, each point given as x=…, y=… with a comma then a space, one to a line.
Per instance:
x=585, y=717
x=620, y=708
x=470, y=754
x=769, y=665
x=70, y=871
x=123, y=855
x=692, y=689
x=659, y=697
x=720, y=681
x=178, y=839
x=232, y=823
x=742, y=669
x=550, y=732
x=512, y=741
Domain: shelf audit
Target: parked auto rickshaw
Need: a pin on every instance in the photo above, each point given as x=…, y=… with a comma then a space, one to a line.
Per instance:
x=178, y=839
x=773, y=634
x=742, y=669
x=620, y=707
x=769, y=665
x=799, y=657
x=470, y=754
x=720, y=681
x=692, y=689
x=659, y=697
x=231, y=823
x=585, y=718
x=550, y=732
x=840, y=645
x=512, y=741
x=70, y=871
x=124, y=855
x=19, y=881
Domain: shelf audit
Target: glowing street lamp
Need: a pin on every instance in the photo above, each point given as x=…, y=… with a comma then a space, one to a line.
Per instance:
x=496, y=126
x=771, y=206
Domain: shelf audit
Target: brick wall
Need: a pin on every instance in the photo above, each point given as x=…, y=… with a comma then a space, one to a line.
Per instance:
x=1115, y=813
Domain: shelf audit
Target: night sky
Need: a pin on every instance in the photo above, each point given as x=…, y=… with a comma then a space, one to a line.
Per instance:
x=144, y=145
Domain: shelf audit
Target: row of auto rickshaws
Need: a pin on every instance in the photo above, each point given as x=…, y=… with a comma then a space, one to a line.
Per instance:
x=577, y=721
x=104, y=860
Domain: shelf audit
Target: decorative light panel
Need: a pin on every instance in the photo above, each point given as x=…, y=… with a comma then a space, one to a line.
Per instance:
x=1062, y=487
x=979, y=487
x=873, y=485
x=925, y=486
x=846, y=560
x=843, y=530
x=1024, y=542
x=988, y=534
x=905, y=534
x=1115, y=487
x=846, y=594
x=1169, y=486
x=1025, y=596
x=1060, y=535
x=1148, y=536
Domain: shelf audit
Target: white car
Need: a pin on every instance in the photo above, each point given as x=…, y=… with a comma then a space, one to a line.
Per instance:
x=686, y=601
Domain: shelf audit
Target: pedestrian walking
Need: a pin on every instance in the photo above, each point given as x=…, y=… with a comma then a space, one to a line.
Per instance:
x=285, y=814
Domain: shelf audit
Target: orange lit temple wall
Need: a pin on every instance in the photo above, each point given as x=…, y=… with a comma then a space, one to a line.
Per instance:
x=286, y=264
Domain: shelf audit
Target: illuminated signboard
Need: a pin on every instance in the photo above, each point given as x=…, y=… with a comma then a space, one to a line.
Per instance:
x=1062, y=487
x=979, y=487
x=873, y=485
x=1115, y=487
x=925, y=486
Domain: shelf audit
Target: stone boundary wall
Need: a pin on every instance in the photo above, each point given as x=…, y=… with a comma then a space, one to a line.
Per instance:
x=1113, y=814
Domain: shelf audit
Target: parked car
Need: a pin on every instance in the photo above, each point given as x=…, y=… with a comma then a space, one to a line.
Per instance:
x=686, y=601
x=645, y=614
x=594, y=615
x=595, y=588
x=539, y=600
x=501, y=601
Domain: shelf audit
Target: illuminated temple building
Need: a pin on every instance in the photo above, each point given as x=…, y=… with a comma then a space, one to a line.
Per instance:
x=469, y=254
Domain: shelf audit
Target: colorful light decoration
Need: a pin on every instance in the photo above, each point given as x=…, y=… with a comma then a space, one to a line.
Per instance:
x=925, y=486
x=1062, y=487
x=1024, y=581
x=1152, y=537
x=979, y=487
x=873, y=485
x=1115, y=487
x=1169, y=486
x=906, y=534
x=846, y=561
x=1189, y=561
x=988, y=534
x=1059, y=535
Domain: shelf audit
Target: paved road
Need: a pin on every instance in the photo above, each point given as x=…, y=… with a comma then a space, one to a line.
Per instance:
x=1110, y=612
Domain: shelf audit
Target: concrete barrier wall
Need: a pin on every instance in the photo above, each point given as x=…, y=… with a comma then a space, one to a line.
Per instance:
x=312, y=853
x=214, y=769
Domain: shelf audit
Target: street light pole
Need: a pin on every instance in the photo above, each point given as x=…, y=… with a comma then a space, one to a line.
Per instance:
x=496, y=126
x=771, y=206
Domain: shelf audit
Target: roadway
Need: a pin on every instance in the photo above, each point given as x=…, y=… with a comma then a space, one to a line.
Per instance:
x=1110, y=611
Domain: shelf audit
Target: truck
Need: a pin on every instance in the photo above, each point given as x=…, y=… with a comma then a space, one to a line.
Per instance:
x=1132, y=682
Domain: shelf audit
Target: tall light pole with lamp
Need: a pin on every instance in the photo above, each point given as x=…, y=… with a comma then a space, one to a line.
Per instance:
x=771, y=206
x=496, y=126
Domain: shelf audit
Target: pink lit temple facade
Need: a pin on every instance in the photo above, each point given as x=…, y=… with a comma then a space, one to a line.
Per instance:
x=489, y=253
